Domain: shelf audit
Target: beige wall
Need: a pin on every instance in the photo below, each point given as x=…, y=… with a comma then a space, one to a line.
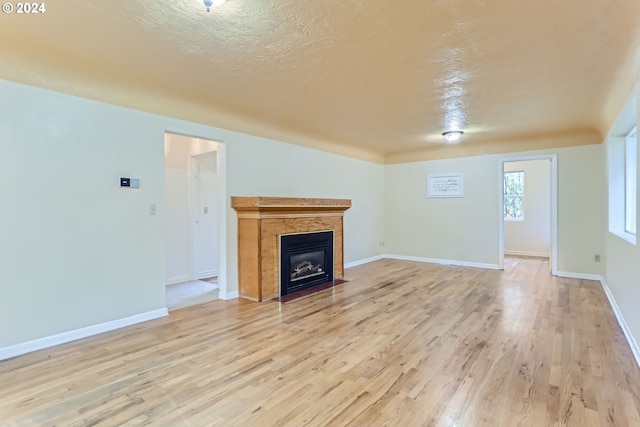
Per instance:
x=466, y=229
x=459, y=229
x=532, y=235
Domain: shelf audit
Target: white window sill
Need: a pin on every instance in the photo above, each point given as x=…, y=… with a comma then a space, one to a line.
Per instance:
x=631, y=238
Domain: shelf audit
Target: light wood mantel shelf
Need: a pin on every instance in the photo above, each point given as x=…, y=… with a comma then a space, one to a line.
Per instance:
x=287, y=206
x=261, y=221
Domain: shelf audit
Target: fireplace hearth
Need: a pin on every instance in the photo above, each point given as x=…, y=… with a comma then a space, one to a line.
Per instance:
x=306, y=260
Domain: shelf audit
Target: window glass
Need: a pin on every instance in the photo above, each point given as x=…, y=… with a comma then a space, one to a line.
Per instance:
x=514, y=196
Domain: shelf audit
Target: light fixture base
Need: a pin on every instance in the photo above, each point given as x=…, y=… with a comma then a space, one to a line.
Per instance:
x=208, y=4
x=452, y=135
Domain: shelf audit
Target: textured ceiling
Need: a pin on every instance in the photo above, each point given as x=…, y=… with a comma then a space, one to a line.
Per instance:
x=375, y=79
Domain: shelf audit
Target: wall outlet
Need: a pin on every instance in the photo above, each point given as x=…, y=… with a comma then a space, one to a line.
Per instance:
x=382, y=243
x=596, y=258
x=152, y=209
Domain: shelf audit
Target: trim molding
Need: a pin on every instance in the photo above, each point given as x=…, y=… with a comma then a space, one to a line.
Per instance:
x=228, y=295
x=65, y=337
x=523, y=253
x=174, y=280
x=206, y=274
x=583, y=276
x=445, y=262
x=623, y=325
x=364, y=261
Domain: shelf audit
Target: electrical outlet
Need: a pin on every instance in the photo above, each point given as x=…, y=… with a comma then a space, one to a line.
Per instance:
x=596, y=258
x=152, y=209
x=381, y=243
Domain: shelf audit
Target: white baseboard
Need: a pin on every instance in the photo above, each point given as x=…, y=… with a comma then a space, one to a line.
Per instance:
x=583, y=276
x=229, y=295
x=445, y=262
x=523, y=253
x=623, y=324
x=174, y=280
x=363, y=261
x=65, y=337
x=207, y=274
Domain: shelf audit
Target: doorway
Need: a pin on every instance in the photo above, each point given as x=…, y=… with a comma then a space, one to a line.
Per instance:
x=194, y=220
x=528, y=208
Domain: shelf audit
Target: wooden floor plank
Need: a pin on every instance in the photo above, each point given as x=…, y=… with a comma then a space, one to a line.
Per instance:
x=401, y=344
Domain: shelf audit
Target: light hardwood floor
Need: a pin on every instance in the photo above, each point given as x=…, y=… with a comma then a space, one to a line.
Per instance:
x=400, y=344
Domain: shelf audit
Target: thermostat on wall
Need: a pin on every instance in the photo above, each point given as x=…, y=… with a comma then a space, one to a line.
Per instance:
x=130, y=182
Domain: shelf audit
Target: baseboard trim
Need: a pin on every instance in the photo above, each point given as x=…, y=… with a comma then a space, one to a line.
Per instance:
x=207, y=274
x=229, y=295
x=523, y=253
x=177, y=279
x=444, y=262
x=65, y=337
x=623, y=324
x=583, y=276
x=363, y=261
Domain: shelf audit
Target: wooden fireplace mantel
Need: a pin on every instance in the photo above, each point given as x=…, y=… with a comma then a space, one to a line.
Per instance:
x=261, y=222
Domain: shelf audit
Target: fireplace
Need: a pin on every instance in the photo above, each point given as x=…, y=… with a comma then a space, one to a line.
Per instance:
x=262, y=221
x=306, y=260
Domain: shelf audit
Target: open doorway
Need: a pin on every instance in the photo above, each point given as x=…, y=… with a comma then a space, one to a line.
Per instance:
x=528, y=209
x=193, y=242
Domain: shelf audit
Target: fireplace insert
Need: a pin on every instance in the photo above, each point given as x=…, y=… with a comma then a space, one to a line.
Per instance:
x=306, y=260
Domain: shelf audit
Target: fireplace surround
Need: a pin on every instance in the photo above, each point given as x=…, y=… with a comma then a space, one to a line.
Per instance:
x=262, y=221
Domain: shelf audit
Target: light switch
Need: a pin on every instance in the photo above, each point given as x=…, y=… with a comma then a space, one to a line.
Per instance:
x=152, y=209
x=206, y=210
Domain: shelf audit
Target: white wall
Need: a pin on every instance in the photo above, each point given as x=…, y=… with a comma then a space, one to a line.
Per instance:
x=622, y=257
x=466, y=229
x=177, y=218
x=532, y=236
x=77, y=250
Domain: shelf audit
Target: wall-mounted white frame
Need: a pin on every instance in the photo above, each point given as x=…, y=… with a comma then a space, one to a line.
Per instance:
x=554, y=206
x=445, y=185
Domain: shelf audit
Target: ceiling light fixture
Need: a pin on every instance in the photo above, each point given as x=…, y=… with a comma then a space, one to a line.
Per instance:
x=452, y=135
x=212, y=3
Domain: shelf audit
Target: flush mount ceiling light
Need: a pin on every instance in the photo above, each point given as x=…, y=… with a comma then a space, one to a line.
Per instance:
x=452, y=135
x=212, y=3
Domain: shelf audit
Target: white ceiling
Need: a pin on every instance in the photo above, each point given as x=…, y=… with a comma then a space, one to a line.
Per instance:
x=374, y=79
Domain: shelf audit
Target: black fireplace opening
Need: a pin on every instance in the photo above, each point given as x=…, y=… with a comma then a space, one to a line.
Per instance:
x=306, y=260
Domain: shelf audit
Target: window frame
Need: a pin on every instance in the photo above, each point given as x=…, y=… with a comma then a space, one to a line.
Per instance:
x=513, y=196
x=630, y=182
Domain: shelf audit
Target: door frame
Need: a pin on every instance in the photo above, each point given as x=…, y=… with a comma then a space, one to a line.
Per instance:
x=554, y=206
x=222, y=213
